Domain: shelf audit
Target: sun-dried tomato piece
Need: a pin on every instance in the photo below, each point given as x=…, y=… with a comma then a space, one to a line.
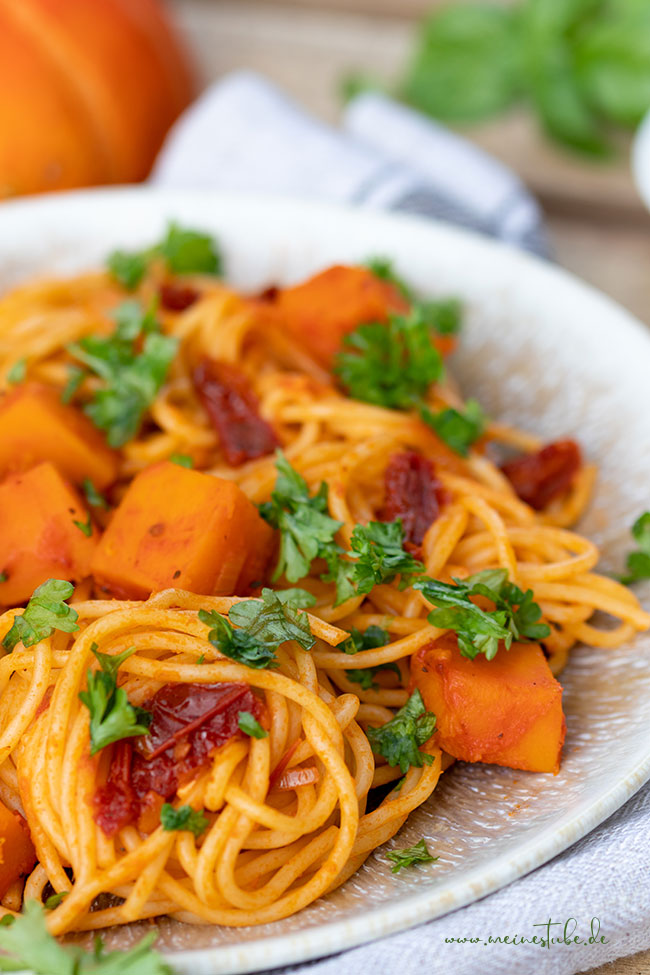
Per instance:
x=414, y=494
x=177, y=297
x=189, y=721
x=233, y=408
x=539, y=478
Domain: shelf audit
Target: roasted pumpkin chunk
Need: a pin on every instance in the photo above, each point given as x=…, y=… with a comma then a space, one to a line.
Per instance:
x=179, y=528
x=17, y=853
x=324, y=309
x=39, y=539
x=36, y=426
x=505, y=711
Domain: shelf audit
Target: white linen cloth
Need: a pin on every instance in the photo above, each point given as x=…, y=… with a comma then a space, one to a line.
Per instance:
x=243, y=134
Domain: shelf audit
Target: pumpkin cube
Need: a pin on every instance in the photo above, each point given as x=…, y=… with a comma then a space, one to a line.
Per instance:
x=36, y=426
x=17, y=853
x=320, y=312
x=178, y=528
x=39, y=539
x=505, y=711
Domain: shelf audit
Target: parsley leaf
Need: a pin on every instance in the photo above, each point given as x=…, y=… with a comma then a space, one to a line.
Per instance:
x=75, y=378
x=379, y=558
x=55, y=899
x=390, y=364
x=133, y=364
x=45, y=612
x=442, y=315
x=127, y=268
x=364, y=676
x=237, y=644
x=298, y=598
x=112, y=717
x=93, y=497
x=306, y=530
x=250, y=726
x=399, y=740
x=17, y=372
x=382, y=268
x=28, y=945
x=638, y=563
x=480, y=631
x=409, y=857
x=85, y=527
x=183, y=818
x=459, y=430
x=183, y=460
x=183, y=250
x=370, y=639
x=272, y=620
x=187, y=251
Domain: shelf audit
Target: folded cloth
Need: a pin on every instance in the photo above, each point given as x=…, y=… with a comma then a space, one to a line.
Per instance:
x=243, y=134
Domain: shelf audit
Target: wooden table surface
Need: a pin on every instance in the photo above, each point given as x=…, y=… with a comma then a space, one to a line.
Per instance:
x=598, y=226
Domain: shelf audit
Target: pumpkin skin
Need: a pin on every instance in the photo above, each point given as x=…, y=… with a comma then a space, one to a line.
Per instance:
x=87, y=91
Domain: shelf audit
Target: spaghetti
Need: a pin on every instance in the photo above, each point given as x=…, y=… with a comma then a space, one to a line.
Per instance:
x=291, y=811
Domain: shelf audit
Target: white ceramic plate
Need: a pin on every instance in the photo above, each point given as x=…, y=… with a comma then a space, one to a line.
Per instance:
x=539, y=349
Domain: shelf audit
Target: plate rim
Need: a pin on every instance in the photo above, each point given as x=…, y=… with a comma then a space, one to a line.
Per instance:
x=317, y=940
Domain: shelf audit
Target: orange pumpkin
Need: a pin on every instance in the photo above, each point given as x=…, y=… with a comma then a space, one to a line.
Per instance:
x=87, y=91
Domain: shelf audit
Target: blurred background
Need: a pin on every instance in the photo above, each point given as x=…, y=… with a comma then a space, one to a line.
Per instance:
x=553, y=88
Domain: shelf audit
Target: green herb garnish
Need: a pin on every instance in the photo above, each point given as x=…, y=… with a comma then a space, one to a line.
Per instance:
x=273, y=619
x=480, y=631
x=183, y=460
x=17, y=372
x=410, y=857
x=250, y=725
x=45, y=612
x=183, y=818
x=85, y=527
x=184, y=251
x=458, y=429
x=370, y=639
x=93, y=497
x=399, y=740
x=365, y=676
x=132, y=364
x=638, y=563
x=390, y=364
x=27, y=944
x=112, y=716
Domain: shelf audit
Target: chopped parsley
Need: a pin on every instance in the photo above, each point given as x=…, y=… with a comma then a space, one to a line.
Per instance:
x=399, y=740
x=390, y=364
x=365, y=676
x=183, y=818
x=638, y=563
x=76, y=376
x=183, y=460
x=112, y=716
x=27, y=945
x=17, y=372
x=459, y=430
x=377, y=549
x=410, y=857
x=307, y=533
x=306, y=530
x=515, y=616
x=45, y=612
x=4, y=576
x=370, y=639
x=263, y=624
x=237, y=644
x=273, y=619
x=85, y=527
x=55, y=899
x=250, y=725
x=382, y=268
x=93, y=497
x=184, y=251
x=132, y=363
